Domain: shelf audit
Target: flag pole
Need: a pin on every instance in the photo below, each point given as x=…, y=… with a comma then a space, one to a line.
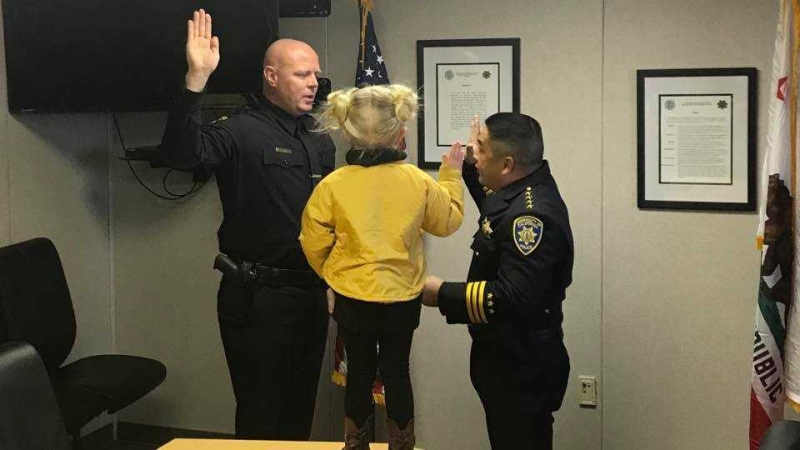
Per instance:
x=793, y=155
x=366, y=7
x=793, y=99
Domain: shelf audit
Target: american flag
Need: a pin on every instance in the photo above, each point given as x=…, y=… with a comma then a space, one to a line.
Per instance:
x=370, y=70
x=370, y=67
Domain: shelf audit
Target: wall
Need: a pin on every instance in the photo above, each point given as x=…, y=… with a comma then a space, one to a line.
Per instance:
x=54, y=183
x=678, y=287
x=656, y=312
x=661, y=309
x=170, y=245
x=561, y=57
x=166, y=288
x=166, y=292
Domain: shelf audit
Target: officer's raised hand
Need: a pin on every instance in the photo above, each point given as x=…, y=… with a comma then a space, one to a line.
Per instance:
x=202, y=51
x=472, y=144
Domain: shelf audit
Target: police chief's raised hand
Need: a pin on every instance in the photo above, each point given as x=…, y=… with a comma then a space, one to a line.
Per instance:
x=472, y=144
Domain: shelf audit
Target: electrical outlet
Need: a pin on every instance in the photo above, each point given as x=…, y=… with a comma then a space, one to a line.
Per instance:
x=588, y=391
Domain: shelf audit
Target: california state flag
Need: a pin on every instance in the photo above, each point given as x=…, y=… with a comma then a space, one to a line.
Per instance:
x=776, y=345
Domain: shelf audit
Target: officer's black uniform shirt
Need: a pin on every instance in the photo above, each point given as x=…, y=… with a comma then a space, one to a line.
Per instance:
x=522, y=260
x=267, y=162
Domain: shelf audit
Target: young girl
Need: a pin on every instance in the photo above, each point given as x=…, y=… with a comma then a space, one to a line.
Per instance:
x=362, y=231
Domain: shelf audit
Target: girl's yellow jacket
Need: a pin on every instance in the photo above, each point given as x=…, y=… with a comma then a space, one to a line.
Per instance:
x=362, y=227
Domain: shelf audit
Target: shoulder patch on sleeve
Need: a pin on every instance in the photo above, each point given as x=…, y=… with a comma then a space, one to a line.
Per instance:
x=527, y=232
x=221, y=119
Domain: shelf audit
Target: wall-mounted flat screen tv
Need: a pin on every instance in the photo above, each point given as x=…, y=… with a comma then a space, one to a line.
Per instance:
x=116, y=56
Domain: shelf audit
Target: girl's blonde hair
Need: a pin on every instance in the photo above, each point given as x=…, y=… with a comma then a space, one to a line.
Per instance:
x=370, y=117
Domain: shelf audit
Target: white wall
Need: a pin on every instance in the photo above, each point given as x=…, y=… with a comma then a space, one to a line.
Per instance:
x=679, y=288
x=629, y=322
x=54, y=183
x=561, y=85
x=166, y=288
x=661, y=309
x=648, y=285
x=58, y=188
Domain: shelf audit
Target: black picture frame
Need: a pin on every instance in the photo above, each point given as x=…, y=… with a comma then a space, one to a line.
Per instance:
x=690, y=171
x=462, y=52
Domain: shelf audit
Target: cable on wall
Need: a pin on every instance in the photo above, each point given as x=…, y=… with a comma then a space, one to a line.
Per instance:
x=171, y=196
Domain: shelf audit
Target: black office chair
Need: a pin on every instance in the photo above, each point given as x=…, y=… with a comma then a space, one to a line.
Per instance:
x=36, y=307
x=782, y=435
x=29, y=415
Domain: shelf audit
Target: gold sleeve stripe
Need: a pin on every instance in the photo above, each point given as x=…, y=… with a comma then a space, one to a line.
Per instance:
x=481, y=299
x=474, y=302
x=468, y=299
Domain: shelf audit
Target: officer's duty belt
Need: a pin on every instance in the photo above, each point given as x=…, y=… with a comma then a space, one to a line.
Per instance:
x=272, y=276
x=545, y=335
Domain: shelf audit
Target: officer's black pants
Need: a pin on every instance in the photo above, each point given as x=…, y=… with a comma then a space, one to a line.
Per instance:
x=519, y=397
x=363, y=358
x=274, y=340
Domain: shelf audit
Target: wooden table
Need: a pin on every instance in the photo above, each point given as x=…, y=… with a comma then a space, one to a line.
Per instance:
x=226, y=444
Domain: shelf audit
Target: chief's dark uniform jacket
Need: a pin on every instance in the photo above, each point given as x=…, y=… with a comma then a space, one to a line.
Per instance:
x=267, y=163
x=521, y=265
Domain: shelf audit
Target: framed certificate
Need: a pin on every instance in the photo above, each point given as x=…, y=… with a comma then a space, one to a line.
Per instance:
x=457, y=80
x=696, y=139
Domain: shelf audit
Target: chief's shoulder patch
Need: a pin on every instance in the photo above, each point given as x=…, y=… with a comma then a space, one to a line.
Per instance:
x=527, y=232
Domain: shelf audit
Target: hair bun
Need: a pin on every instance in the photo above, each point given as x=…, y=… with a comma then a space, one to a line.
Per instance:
x=405, y=102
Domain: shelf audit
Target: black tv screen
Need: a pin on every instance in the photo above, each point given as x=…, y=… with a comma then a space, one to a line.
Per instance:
x=109, y=55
